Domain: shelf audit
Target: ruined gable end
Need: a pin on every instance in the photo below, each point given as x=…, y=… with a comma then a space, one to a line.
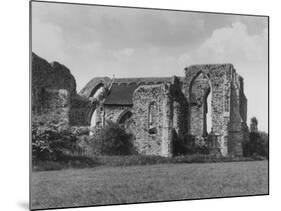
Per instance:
x=228, y=105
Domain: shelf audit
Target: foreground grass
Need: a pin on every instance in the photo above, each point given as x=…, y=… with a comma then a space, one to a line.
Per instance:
x=129, y=184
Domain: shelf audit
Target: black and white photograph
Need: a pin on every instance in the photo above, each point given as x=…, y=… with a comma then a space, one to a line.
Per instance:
x=140, y=105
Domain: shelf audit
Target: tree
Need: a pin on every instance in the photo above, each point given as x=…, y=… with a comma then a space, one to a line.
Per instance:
x=258, y=142
x=254, y=124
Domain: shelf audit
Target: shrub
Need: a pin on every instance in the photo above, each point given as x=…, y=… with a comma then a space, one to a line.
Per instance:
x=50, y=141
x=49, y=144
x=190, y=144
x=153, y=159
x=66, y=161
x=127, y=160
x=112, y=140
x=257, y=145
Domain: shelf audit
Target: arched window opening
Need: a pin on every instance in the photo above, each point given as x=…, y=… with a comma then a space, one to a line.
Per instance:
x=124, y=117
x=95, y=89
x=99, y=92
x=152, y=118
x=207, y=118
x=200, y=109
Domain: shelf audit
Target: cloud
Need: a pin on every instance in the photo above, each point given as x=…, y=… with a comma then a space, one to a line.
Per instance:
x=101, y=41
x=230, y=45
x=123, y=53
x=47, y=40
x=248, y=51
x=117, y=28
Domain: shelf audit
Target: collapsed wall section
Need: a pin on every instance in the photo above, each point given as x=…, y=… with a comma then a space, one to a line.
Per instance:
x=54, y=94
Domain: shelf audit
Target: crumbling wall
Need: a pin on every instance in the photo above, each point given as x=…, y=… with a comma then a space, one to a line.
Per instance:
x=113, y=112
x=199, y=89
x=153, y=137
x=54, y=108
x=54, y=94
x=168, y=129
x=49, y=76
x=220, y=93
x=237, y=128
x=146, y=143
x=162, y=108
x=228, y=105
x=80, y=109
x=180, y=110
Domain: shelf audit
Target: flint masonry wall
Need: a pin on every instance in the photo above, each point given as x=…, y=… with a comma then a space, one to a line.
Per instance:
x=220, y=107
x=113, y=112
x=173, y=106
x=155, y=140
x=228, y=105
x=80, y=109
x=199, y=89
x=237, y=129
x=55, y=106
x=54, y=94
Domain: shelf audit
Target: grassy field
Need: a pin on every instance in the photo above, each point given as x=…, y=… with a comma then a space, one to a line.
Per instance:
x=129, y=184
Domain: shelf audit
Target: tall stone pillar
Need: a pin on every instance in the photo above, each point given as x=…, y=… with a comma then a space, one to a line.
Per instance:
x=167, y=131
x=224, y=144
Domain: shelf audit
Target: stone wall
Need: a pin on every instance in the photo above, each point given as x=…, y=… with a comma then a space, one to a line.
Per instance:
x=229, y=104
x=163, y=109
x=153, y=116
x=113, y=112
x=54, y=93
x=199, y=89
x=148, y=143
x=219, y=90
x=49, y=76
x=238, y=130
x=54, y=108
x=80, y=111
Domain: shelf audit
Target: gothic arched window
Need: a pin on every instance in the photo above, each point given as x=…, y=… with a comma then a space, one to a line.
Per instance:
x=152, y=118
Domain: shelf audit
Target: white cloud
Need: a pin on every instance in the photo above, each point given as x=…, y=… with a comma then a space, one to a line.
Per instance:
x=47, y=40
x=123, y=53
x=229, y=44
x=248, y=53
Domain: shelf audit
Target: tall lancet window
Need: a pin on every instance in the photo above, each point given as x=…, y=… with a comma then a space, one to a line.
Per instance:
x=152, y=118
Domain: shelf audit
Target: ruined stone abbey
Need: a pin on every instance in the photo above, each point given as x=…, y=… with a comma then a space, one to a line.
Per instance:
x=208, y=103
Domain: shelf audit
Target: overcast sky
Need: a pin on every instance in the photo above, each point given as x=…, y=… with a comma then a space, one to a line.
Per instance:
x=101, y=41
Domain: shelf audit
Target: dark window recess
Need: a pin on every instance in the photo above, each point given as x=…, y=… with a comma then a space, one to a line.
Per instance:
x=152, y=130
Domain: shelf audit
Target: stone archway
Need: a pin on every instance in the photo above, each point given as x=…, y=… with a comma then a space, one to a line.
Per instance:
x=200, y=90
x=95, y=89
x=124, y=116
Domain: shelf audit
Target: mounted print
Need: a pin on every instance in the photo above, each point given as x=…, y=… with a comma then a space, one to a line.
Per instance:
x=134, y=105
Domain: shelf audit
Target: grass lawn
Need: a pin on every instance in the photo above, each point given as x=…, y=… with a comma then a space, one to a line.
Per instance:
x=129, y=184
